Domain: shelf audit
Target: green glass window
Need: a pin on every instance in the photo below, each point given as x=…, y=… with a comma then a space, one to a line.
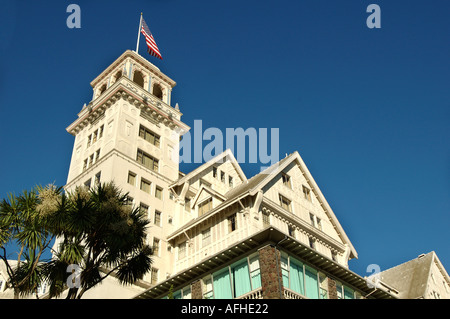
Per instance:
x=297, y=278
x=311, y=283
x=222, y=287
x=349, y=293
x=240, y=278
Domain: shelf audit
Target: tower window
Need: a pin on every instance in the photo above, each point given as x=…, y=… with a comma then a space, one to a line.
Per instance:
x=138, y=78
x=157, y=91
x=149, y=136
x=117, y=76
x=147, y=160
x=102, y=89
x=131, y=178
x=145, y=185
x=158, y=192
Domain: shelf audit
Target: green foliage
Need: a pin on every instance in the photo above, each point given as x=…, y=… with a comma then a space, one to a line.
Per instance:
x=99, y=233
x=22, y=223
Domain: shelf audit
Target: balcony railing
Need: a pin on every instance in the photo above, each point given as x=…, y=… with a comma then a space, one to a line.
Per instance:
x=255, y=294
x=289, y=294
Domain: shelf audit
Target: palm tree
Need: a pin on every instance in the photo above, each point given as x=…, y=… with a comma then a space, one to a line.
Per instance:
x=98, y=234
x=21, y=224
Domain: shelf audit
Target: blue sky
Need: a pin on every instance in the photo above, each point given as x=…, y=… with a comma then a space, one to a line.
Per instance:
x=367, y=109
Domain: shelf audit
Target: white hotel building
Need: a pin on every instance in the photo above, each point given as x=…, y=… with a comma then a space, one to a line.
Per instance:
x=215, y=232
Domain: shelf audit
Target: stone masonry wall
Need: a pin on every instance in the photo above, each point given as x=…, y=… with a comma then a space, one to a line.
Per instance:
x=269, y=263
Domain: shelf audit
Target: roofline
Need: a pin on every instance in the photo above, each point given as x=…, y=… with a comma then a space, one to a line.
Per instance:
x=206, y=165
x=139, y=58
x=269, y=235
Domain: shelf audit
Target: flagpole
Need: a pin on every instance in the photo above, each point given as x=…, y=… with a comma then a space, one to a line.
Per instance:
x=139, y=34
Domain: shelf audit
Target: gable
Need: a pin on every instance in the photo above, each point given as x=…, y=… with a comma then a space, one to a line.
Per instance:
x=292, y=185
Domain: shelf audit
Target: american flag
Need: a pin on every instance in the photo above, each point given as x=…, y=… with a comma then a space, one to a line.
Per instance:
x=151, y=44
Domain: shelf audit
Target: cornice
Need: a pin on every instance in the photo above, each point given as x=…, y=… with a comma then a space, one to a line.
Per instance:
x=125, y=89
x=136, y=58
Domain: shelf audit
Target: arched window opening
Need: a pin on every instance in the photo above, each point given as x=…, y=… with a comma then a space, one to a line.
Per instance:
x=117, y=76
x=102, y=89
x=157, y=91
x=138, y=78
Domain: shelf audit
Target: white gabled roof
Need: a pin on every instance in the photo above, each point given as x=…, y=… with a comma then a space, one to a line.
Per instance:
x=255, y=184
x=224, y=156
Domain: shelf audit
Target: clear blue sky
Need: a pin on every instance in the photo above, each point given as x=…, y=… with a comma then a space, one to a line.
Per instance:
x=367, y=109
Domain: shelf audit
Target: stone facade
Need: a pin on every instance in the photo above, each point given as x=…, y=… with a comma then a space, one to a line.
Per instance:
x=196, y=290
x=269, y=261
x=332, y=293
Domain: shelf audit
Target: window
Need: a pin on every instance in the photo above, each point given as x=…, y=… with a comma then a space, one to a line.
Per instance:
x=155, y=246
x=222, y=176
x=85, y=164
x=129, y=201
x=306, y=193
x=333, y=256
x=145, y=185
x=204, y=207
x=266, y=218
x=323, y=286
x=138, y=78
x=88, y=183
x=300, y=277
x=157, y=218
x=311, y=219
x=181, y=250
x=158, y=192
x=208, y=287
x=286, y=180
x=230, y=181
x=97, y=179
x=339, y=290
x=187, y=205
x=147, y=160
x=149, y=136
x=117, y=76
x=91, y=160
x=233, y=281
x=285, y=203
x=143, y=208
x=102, y=89
x=315, y=221
x=154, y=276
x=94, y=137
x=206, y=237
x=131, y=178
x=186, y=292
x=255, y=273
x=232, y=223
x=312, y=243
x=291, y=231
x=349, y=293
x=89, y=140
x=97, y=155
x=157, y=91
x=100, y=132
x=318, y=223
x=214, y=170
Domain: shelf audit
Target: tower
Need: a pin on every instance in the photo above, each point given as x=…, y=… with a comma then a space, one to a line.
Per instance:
x=129, y=134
